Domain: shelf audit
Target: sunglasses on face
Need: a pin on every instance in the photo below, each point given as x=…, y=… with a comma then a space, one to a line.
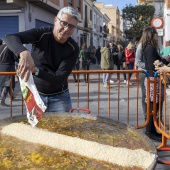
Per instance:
x=66, y=24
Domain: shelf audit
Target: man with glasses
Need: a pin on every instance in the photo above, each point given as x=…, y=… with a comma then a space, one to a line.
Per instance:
x=53, y=56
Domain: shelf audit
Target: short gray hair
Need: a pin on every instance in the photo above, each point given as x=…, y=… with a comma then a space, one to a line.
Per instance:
x=68, y=10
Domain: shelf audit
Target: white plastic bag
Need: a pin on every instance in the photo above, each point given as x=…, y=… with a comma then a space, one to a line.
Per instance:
x=34, y=105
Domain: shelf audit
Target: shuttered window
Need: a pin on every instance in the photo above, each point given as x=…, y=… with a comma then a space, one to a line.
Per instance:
x=8, y=25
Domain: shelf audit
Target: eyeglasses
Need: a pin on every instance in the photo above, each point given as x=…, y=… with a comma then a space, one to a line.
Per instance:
x=66, y=24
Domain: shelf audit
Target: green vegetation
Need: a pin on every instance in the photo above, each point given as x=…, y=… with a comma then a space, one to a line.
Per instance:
x=138, y=17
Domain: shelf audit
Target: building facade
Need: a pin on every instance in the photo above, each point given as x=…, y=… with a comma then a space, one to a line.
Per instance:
x=100, y=28
x=21, y=15
x=114, y=25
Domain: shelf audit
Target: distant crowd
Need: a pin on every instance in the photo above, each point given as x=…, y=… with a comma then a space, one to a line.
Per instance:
x=110, y=56
x=106, y=57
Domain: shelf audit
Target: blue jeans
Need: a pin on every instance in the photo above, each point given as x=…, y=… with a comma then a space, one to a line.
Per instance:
x=130, y=67
x=57, y=103
x=106, y=78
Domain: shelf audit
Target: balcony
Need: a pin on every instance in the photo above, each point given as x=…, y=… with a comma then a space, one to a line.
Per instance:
x=20, y=3
x=12, y=5
x=44, y=5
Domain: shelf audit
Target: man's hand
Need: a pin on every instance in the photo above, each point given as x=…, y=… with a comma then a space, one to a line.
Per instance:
x=163, y=69
x=26, y=65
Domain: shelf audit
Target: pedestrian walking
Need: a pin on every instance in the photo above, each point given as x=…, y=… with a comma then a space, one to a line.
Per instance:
x=130, y=59
x=85, y=59
x=106, y=64
x=7, y=64
x=93, y=57
x=121, y=65
x=98, y=55
x=76, y=67
x=114, y=52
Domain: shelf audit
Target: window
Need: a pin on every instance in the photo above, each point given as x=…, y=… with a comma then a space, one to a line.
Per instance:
x=91, y=15
x=85, y=18
x=9, y=25
x=94, y=18
x=79, y=5
x=85, y=12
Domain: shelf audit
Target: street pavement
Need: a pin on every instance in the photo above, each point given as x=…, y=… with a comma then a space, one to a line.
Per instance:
x=17, y=103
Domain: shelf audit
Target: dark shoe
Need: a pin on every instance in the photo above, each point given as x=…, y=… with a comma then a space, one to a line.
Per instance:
x=154, y=136
x=157, y=134
x=2, y=103
x=75, y=80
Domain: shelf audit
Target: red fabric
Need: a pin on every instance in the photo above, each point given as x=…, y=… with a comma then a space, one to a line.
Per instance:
x=130, y=57
x=166, y=44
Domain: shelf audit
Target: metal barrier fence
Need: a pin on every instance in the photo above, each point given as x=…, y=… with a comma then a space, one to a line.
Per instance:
x=121, y=102
x=10, y=92
x=113, y=102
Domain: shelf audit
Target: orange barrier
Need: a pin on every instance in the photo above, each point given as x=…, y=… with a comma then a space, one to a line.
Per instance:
x=11, y=101
x=99, y=90
x=157, y=118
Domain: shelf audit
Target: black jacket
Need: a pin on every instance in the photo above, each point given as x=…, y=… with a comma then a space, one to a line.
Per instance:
x=121, y=57
x=115, y=57
x=7, y=64
x=98, y=54
x=150, y=54
x=7, y=57
x=54, y=60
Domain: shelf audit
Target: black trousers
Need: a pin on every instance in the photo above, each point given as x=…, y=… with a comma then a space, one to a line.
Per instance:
x=5, y=91
x=120, y=67
x=143, y=91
